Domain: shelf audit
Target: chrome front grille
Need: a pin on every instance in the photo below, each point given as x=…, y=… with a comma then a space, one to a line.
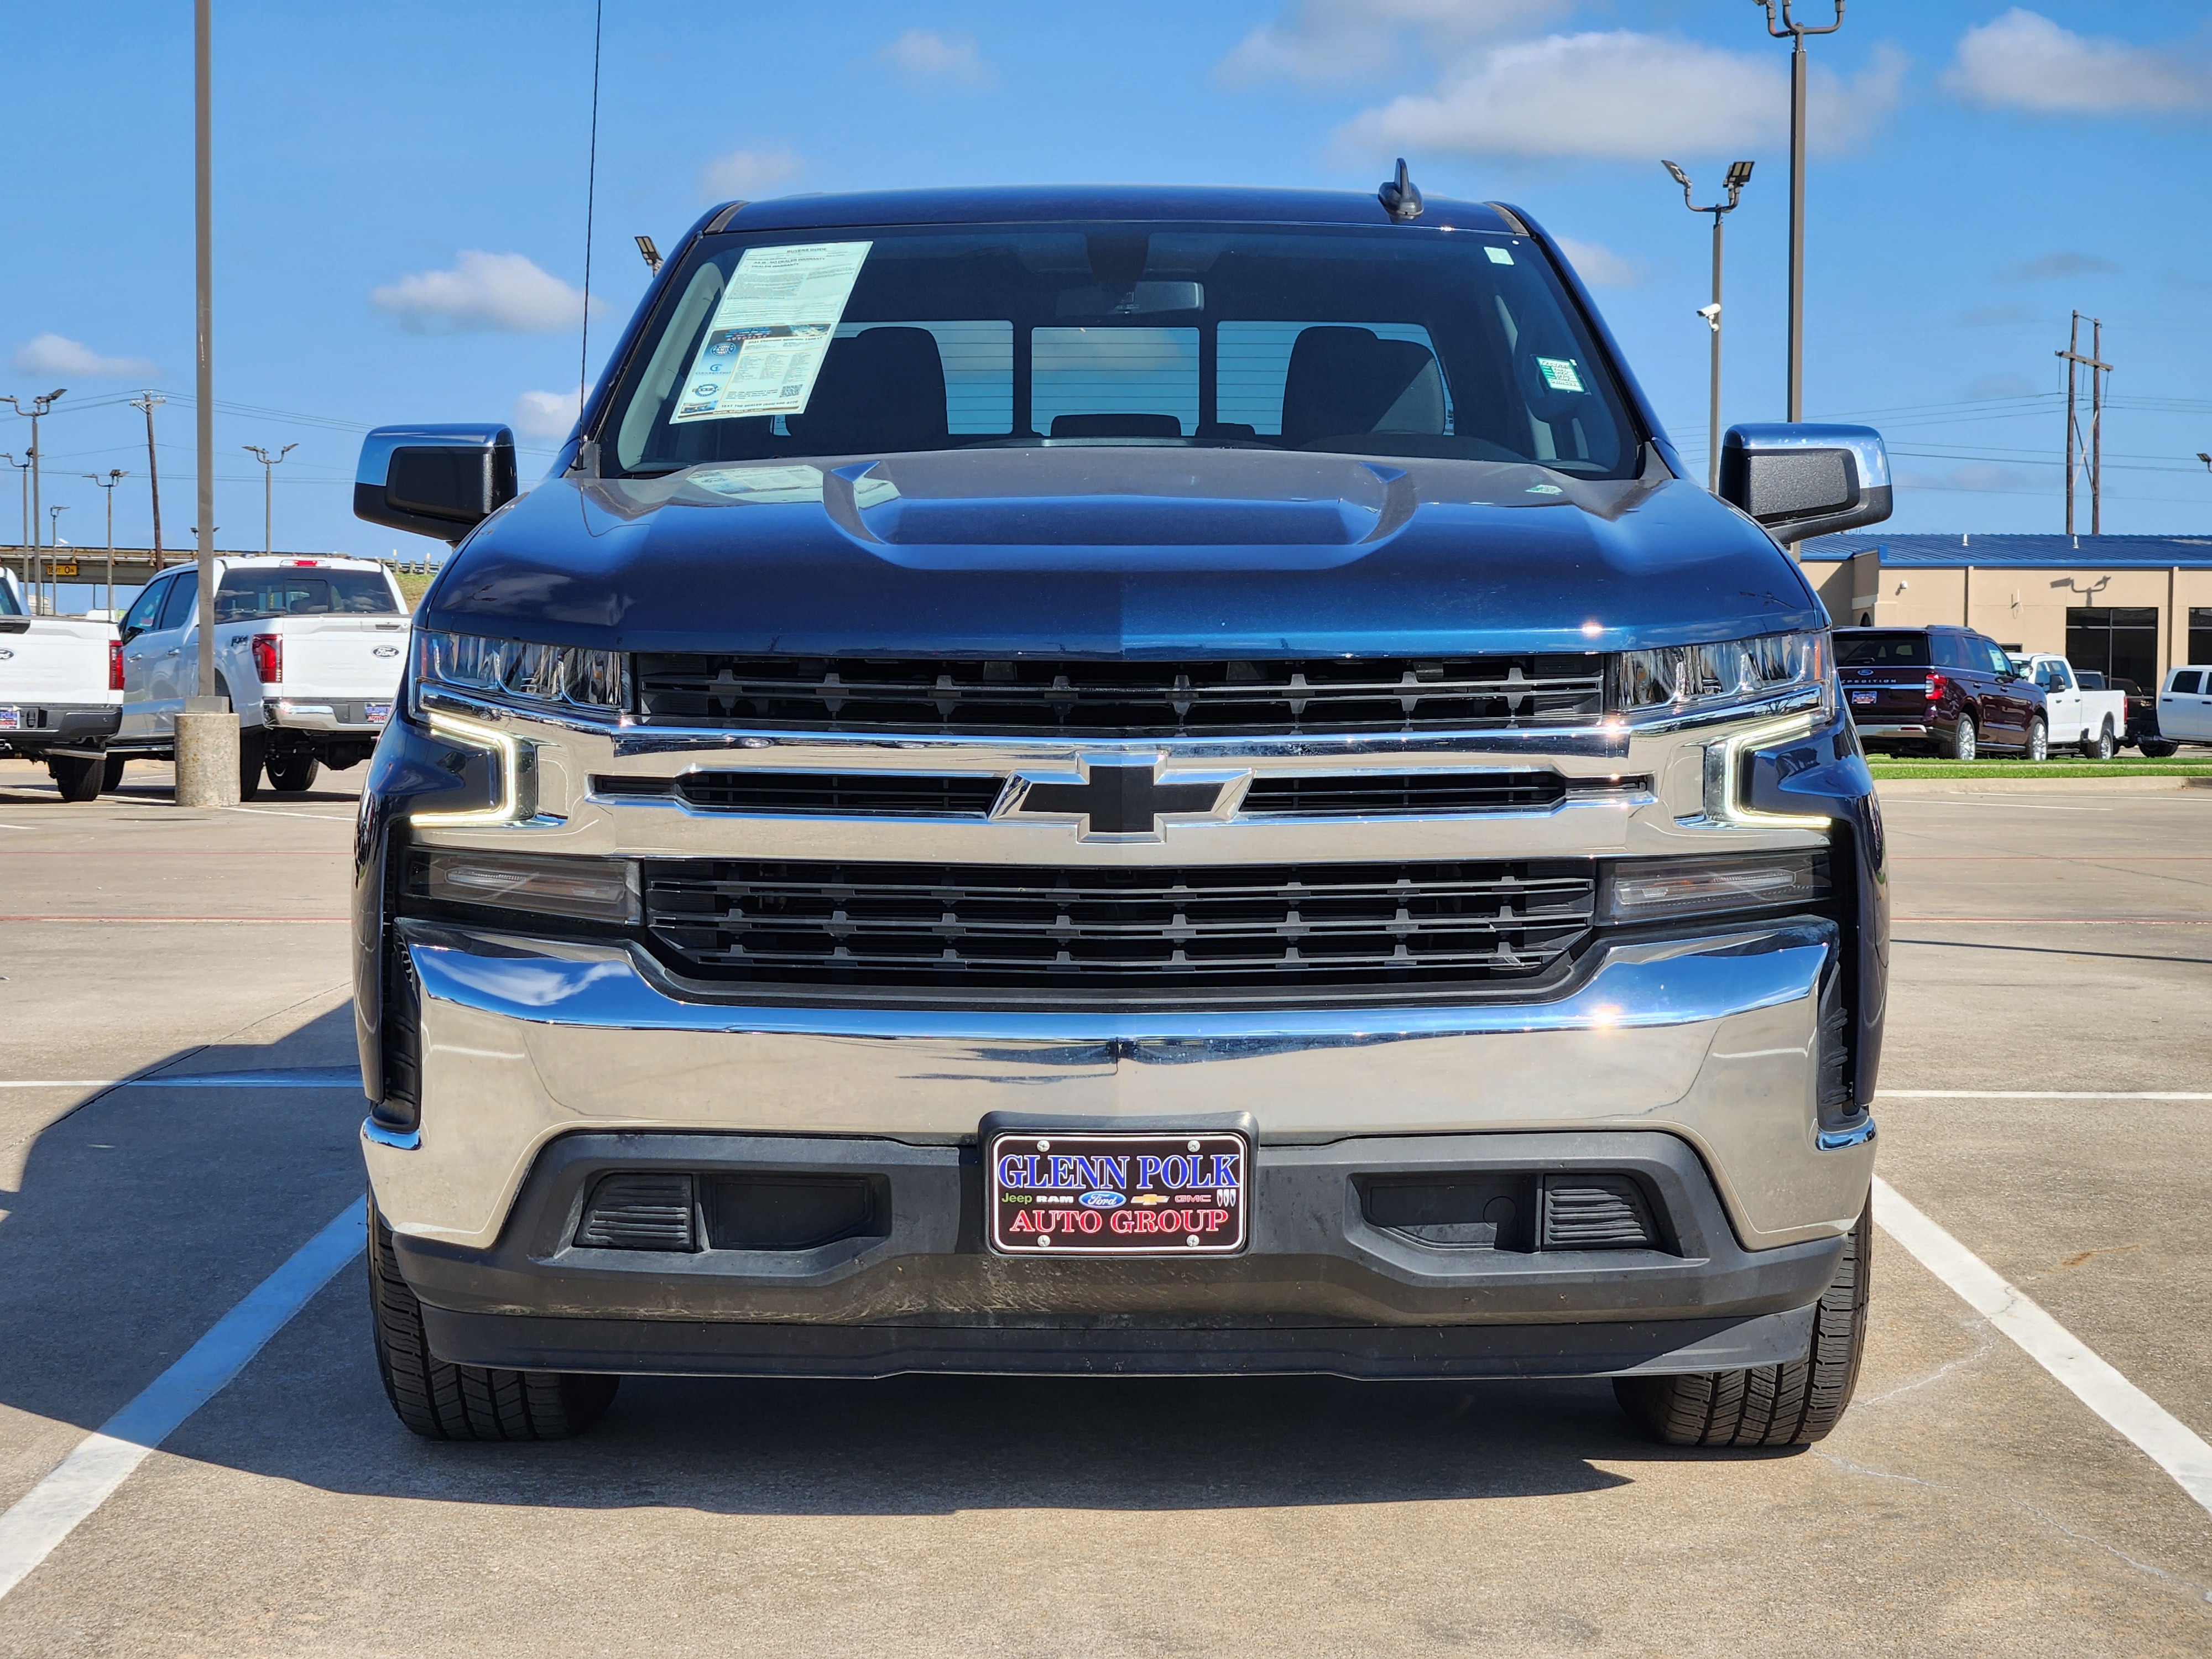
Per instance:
x=1082, y=698
x=1142, y=931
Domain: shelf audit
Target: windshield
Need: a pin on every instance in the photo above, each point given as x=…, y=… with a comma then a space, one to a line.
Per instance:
x=1368, y=341
x=7, y=605
x=248, y=593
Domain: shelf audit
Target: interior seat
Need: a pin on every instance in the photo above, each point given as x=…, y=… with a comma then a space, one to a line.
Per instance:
x=1345, y=382
x=882, y=389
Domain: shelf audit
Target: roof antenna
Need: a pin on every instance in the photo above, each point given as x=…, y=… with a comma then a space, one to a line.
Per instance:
x=1400, y=197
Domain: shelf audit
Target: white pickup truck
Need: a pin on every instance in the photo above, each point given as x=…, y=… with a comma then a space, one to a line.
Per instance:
x=308, y=650
x=61, y=692
x=2092, y=721
x=2185, y=706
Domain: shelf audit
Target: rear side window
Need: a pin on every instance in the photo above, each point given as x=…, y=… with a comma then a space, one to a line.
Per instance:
x=247, y=594
x=184, y=594
x=2187, y=679
x=1882, y=650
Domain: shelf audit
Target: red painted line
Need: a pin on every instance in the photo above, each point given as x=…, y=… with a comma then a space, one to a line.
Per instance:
x=2056, y=922
x=287, y=919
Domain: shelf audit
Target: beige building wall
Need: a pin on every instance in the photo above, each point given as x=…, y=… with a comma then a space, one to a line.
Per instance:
x=2015, y=605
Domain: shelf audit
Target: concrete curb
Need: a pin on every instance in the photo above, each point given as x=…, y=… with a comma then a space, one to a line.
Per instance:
x=2002, y=786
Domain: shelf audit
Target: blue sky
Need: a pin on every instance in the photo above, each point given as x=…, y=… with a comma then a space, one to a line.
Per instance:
x=400, y=202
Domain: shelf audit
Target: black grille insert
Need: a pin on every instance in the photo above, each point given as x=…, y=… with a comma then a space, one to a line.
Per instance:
x=1397, y=793
x=1282, y=928
x=793, y=1211
x=824, y=794
x=1596, y=1213
x=1120, y=698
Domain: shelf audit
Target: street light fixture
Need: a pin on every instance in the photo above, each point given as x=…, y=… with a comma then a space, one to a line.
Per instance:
x=116, y=475
x=39, y=403
x=1795, y=33
x=1739, y=175
x=268, y=498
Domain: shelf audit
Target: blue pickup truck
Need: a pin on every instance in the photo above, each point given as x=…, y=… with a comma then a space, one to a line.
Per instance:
x=1132, y=781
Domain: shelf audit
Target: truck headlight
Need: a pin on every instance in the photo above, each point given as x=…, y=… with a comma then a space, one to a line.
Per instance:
x=1683, y=679
x=1653, y=889
x=518, y=671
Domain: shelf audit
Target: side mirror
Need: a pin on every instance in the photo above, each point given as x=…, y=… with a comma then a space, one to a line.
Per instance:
x=1801, y=480
x=441, y=481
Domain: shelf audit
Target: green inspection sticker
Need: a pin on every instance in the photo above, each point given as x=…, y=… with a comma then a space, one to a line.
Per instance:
x=1559, y=375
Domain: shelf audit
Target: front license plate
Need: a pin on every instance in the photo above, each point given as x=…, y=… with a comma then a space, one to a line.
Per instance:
x=1117, y=1194
x=376, y=712
x=11, y=719
x=1861, y=699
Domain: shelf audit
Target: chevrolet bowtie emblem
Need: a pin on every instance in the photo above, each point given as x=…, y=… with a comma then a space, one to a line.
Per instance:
x=1127, y=800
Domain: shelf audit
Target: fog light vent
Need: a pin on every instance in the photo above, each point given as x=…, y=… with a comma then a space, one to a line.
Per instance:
x=1596, y=1213
x=639, y=1212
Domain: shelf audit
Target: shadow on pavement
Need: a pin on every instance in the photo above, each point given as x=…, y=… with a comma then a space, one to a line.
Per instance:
x=147, y=1214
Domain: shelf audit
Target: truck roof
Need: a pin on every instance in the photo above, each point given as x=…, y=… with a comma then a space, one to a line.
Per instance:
x=1006, y=204
x=300, y=560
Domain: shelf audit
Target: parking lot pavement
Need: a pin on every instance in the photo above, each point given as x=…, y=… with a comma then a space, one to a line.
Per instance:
x=1968, y=1501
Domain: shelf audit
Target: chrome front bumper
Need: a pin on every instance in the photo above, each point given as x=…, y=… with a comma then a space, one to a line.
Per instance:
x=1713, y=1041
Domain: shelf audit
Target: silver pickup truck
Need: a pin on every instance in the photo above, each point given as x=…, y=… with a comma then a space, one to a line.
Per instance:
x=61, y=689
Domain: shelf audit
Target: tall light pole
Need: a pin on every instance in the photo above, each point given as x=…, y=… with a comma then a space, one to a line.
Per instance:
x=53, y=540
x=116, y=475
x=268, y=493
x=39, y=404
x=1739, y=175
x=1795, y=33
x=210, y=769
x=22, y=467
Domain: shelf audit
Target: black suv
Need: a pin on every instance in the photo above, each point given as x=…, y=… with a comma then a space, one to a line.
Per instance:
x=1945, y=689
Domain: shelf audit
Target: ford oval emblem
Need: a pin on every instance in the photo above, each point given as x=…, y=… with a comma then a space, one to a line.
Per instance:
x=387, y=651
x=1100, y=1199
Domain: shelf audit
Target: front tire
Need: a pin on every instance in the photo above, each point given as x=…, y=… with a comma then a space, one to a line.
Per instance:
x=442, y=1401
x=1963, y=744
x=2038, y=739
x=1792, y=1404
x=2156, y=749
x=77, y=779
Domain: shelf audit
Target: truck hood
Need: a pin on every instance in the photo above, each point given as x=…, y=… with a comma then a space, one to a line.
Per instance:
x=1120, y=551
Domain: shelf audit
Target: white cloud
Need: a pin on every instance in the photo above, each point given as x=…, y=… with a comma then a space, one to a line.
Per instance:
x=2025, y=61
x=502, y=292
x=747, y=174
x=1601, y=267
x=1624, y=96
x=51, y=354
x=923, y=57
x=1324, y=41
x=544, y=416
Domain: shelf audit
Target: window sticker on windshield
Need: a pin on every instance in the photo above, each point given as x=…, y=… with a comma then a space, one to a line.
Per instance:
x=1559, y=374
x=1498, y=256
x=768, y=338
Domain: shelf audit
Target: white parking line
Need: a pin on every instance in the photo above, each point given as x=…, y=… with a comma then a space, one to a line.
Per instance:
x=102, y=1461
x=2155, y=1432
x=2040, y=1094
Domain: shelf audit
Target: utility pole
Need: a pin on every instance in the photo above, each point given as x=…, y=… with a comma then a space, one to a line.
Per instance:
x=1796, y=31
x=2094, y=448
x=268, y=497
x=211, y=769
x=115, y=475
x=1739, y=175
x=148, y=402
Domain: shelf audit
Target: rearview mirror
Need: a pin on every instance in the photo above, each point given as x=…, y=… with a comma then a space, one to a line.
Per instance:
x=1799, y=480
x=441, y=481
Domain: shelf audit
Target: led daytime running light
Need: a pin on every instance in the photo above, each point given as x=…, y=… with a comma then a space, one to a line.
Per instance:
x=515, y=764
